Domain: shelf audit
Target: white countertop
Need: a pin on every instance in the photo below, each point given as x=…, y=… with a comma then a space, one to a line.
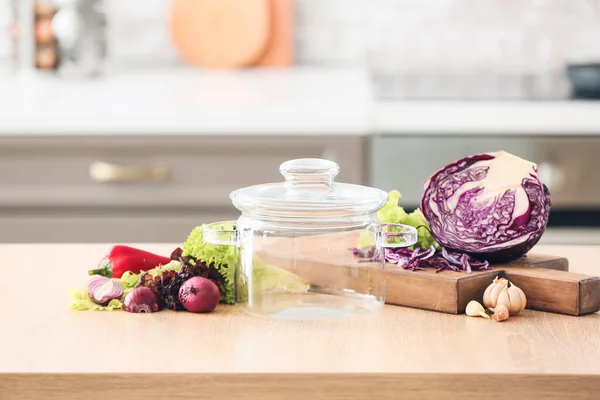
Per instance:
x=487, y=117
x=301, y=100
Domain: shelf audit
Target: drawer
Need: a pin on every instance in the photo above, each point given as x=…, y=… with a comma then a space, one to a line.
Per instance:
x=107, y=226
x=194, y=171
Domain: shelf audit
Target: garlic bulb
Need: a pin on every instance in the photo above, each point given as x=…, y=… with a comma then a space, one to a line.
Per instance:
x=502, y=292
x=474, y=309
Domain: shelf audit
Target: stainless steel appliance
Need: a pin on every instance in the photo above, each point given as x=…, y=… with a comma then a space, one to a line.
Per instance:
x=569, y=166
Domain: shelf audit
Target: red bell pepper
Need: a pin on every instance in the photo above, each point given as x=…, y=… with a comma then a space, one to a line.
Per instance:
x=121, y=259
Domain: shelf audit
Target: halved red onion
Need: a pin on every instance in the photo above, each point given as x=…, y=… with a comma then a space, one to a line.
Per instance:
x=106, y=291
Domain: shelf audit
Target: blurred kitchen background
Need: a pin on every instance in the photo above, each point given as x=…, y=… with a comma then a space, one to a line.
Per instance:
x=131, y=121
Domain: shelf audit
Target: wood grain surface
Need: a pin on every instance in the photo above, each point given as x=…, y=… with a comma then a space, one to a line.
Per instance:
x=48, y=351
x=556, y=290
x=302, y=386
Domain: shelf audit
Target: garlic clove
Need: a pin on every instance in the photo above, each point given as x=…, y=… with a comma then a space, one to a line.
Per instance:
x=500, y=313
x=487, y=300
x=474, y=309
x=504, y=298
x=495, y=295
x=514, y=303
x=518, y=301
x=523, y=298
x=498, y=286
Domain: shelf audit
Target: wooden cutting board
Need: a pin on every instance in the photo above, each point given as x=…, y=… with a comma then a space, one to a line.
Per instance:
x=279, y=51
x=545, y=279
x=221, y=33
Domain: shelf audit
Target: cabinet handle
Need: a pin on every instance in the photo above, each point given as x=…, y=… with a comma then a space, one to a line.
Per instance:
x=104, y=172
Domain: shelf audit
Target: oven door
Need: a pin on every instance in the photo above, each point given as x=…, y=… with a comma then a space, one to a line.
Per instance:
x=569, y=166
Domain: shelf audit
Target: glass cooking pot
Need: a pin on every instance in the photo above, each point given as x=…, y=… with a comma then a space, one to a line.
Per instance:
x=294, y=242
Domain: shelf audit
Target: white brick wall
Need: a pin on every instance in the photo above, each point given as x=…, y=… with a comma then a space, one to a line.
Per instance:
x=398, y=34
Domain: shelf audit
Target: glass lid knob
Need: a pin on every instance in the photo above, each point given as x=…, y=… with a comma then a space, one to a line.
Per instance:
x=309, y=171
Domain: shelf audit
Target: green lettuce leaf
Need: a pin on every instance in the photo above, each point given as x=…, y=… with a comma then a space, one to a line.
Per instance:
x=393, y=213
x=128, y=281
x=81, y=301
x=266, y=278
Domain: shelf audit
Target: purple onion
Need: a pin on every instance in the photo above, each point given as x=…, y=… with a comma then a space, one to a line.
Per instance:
x=106, y=291
x=141, y=300
x=94, y=282
x=102, y=290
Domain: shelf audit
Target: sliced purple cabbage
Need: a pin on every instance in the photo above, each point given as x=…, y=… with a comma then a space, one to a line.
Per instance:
x=392, y=257
x=369, y=252
x=489, y=206
x=419, y=259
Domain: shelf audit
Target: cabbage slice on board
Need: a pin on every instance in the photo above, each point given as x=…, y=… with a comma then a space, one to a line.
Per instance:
x=491, y=206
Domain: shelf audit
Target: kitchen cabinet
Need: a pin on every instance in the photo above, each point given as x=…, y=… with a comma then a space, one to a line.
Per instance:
x=143, y=188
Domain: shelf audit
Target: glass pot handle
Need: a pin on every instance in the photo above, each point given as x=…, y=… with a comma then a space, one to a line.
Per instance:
x=222, y=232
x=398, y=235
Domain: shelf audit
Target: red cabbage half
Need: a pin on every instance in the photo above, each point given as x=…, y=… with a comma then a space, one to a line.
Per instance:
x=492, y=206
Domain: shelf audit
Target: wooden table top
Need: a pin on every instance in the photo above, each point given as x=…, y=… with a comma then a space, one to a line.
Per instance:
x=45, y=346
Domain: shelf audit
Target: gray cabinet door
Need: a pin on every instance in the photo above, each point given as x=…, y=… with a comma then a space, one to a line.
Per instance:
x=144, y=189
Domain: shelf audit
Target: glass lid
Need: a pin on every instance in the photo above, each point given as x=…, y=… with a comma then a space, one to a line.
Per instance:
x=309, y=190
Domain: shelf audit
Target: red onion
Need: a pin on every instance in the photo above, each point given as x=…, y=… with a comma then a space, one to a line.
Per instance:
x=103, y=292
x=93, y=283
x=199, y=295
x=141, y=300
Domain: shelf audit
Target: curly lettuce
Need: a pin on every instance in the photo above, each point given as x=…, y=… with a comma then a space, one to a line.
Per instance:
x=129, y=279
x=81, y=301
x=221, y=257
